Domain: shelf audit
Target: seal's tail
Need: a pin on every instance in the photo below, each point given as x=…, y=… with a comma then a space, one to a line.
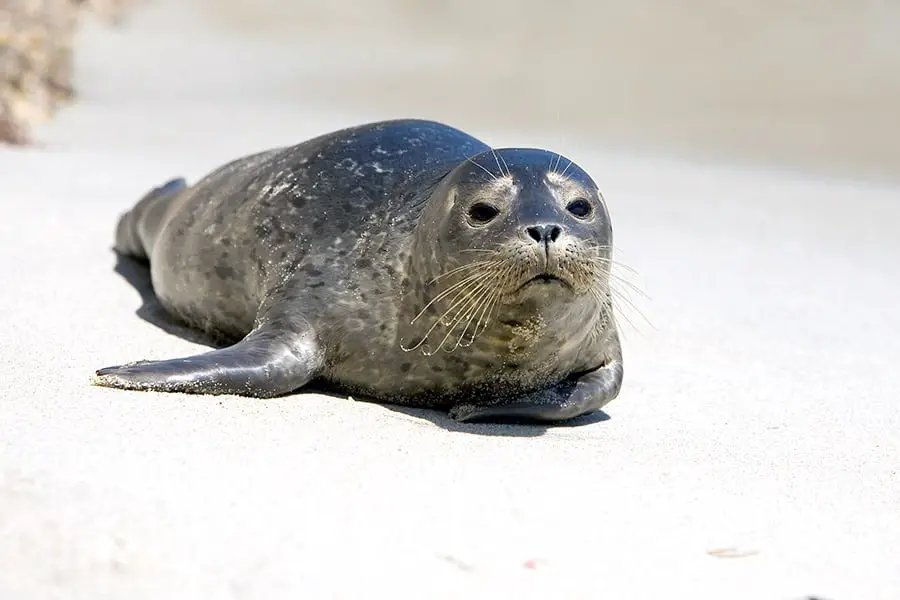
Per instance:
x=141, y=219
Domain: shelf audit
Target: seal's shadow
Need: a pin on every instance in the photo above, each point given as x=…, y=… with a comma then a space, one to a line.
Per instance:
x=502, y=429
x=498, y=428
x=137, y=274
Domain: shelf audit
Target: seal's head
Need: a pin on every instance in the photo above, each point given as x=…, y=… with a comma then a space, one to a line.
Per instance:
x=512, y=234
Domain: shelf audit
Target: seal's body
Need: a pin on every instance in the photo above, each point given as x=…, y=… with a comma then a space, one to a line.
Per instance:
x=403, y=261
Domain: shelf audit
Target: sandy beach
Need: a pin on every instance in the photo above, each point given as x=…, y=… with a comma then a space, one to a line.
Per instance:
x=753, y=452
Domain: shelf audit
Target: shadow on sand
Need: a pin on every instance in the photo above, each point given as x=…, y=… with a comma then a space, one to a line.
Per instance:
x=137, y=274
x=510, y=429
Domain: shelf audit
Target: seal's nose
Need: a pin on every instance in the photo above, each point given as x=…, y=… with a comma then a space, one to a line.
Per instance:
x=544, y=234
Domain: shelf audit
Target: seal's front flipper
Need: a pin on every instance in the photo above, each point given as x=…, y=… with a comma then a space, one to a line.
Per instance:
x=567, y=400
x=264, y=364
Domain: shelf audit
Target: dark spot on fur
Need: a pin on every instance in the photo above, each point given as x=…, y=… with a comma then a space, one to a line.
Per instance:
x=225, y=272
x=312, y=271
x=317, y=284
x=363, y=263
x=382, y=327
x=405, y=367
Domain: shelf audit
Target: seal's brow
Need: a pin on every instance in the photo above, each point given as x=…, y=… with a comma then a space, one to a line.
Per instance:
x=557, y=178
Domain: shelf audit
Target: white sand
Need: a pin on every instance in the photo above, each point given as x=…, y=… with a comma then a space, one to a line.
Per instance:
x=760, y=415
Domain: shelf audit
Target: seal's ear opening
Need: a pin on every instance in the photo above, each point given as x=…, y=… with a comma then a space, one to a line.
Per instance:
x=452, y=197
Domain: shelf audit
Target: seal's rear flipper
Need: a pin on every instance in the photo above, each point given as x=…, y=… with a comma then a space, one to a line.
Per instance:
x=569, y=399
x=137, y=229
x=170, y=187
x=264, y=364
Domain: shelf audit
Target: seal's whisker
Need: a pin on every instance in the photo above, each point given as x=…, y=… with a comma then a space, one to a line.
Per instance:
x=440, y=320
x=508, y=172
x=485, y=302
x=465, y=310
x=471, y=278
x=553, y=168
x=488, y=250
x=410, y=349
x=553, y=156
x=610, y=267
x=483, y=305
x=607, y=268
x=534, y=251
x=497, y=160
x=603, y=301
x=618, y=297
x=465, y=267
x=482, y=167
x=474, y=305
x=612, y=261
x=629, y=285
x=455, y=320
x=492, y=303
x=610, y=310
x=622, y=285
x=616, y=316
x=566, y=169
x=489, y=291
x=602, y=247
x=466, y=292
x=485, y=318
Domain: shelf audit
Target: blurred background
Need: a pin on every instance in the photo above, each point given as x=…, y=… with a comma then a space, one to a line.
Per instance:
x=799, y=84
x=810, y=84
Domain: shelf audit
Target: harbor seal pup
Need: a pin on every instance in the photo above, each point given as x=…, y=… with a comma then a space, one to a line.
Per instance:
x=403, y=261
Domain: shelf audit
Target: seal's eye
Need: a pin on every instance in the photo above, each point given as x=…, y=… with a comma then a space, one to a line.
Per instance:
x=581, y=208
x=482, y=213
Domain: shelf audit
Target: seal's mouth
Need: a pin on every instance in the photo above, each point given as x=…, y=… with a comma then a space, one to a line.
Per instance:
x=545, y=279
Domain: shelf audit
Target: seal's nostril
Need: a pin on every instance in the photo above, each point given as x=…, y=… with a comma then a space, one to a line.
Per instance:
x=544, y=234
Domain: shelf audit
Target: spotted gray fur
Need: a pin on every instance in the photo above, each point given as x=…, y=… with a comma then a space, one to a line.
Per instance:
x=322, y=262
